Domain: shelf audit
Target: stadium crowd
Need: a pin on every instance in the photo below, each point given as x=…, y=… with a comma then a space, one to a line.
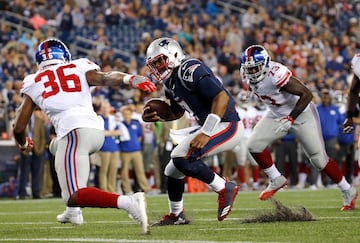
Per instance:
x=316, y=39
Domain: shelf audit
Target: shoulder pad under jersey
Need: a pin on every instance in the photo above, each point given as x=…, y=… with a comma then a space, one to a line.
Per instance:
x=190, y=71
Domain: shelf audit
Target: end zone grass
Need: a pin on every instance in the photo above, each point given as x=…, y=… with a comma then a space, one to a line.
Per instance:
x=35, y=221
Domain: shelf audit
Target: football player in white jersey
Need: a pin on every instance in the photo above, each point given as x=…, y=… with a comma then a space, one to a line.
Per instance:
x=249, y=115
x=290, y=111
x=61, y=88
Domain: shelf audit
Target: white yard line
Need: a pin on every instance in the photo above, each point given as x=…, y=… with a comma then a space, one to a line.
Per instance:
x=114, y=240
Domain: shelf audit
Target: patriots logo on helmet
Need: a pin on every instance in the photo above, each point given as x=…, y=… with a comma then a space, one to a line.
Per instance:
x=164, y=43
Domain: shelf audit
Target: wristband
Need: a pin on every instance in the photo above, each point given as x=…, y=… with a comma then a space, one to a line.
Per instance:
x=211, y=122
x=127, y=78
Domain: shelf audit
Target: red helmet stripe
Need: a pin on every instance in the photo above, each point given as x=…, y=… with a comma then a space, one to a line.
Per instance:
x=46, y=49
x=249, y=53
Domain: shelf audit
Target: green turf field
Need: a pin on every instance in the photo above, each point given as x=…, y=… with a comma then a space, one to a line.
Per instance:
x=35, y=221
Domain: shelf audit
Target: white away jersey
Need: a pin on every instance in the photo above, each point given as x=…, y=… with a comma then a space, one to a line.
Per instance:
x=63, y=93
x=249, y=117
x=268, y=90
x=355, y=64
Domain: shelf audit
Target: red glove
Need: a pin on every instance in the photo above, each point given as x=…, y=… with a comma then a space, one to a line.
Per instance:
x=29, y=144
x=147, y=86
x=140, y=82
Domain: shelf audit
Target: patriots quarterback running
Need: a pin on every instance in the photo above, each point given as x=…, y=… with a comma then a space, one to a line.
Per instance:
x=190, y=85
x=290, y=111
x=61, y=88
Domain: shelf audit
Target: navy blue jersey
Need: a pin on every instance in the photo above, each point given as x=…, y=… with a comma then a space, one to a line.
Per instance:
x=193, y=87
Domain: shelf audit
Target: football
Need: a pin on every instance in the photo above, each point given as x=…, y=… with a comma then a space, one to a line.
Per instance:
x=160, y=106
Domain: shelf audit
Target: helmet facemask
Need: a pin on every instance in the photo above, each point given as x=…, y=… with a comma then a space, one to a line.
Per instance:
x=160, y=67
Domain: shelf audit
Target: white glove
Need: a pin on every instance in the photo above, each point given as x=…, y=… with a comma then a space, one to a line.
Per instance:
x=285, y=123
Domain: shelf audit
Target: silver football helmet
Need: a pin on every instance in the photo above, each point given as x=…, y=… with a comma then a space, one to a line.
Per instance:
x=162, y=56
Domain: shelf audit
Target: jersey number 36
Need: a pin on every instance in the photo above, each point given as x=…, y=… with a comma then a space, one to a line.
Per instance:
x=56, y=80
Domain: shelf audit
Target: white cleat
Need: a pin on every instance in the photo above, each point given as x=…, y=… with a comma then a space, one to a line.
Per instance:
x=137, y=211
x=73, y=216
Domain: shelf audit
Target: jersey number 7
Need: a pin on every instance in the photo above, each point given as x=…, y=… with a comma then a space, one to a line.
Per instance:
x=56, y=80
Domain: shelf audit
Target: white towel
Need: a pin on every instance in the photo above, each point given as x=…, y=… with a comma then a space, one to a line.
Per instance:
x=124, y=132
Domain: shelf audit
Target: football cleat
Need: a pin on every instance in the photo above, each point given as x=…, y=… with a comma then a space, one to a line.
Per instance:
x=349, y=198
x=73, y=216
x=274, y=185
x=137, y=211
x=226, y=199
x=172, y=219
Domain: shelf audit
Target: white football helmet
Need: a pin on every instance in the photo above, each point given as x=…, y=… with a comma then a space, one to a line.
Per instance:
x=255, y=63
x=162, y=56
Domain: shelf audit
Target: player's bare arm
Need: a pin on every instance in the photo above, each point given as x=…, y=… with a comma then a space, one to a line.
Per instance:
x=296, y=87
x=22, y=118
x=218, y=108
x=114, y=78
x=353, y=99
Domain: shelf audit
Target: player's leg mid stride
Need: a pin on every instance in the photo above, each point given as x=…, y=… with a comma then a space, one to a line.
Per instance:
x=134, y=205
x=226, y=198
x=274, y=185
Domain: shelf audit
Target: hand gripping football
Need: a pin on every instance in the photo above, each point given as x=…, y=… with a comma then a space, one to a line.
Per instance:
x=160, y=106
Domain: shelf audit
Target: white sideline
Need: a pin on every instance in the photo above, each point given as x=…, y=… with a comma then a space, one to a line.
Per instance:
x=115, y=240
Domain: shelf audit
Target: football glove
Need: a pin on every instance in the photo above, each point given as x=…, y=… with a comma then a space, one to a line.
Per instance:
x=27, y=146
x=140, y=82
x=285, y=123
x=348, y=125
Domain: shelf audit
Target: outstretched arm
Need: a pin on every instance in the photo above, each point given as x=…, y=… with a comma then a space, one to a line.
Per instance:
x=113, y=78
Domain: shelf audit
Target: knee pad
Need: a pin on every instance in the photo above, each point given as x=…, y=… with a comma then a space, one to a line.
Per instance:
x=190, y=168
x=172, y=171
x=318, y=161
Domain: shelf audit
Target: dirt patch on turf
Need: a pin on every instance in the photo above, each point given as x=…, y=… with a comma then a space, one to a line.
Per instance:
x=281, y=213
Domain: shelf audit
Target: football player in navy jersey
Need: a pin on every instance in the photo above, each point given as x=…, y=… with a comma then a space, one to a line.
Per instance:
x=190, y=85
